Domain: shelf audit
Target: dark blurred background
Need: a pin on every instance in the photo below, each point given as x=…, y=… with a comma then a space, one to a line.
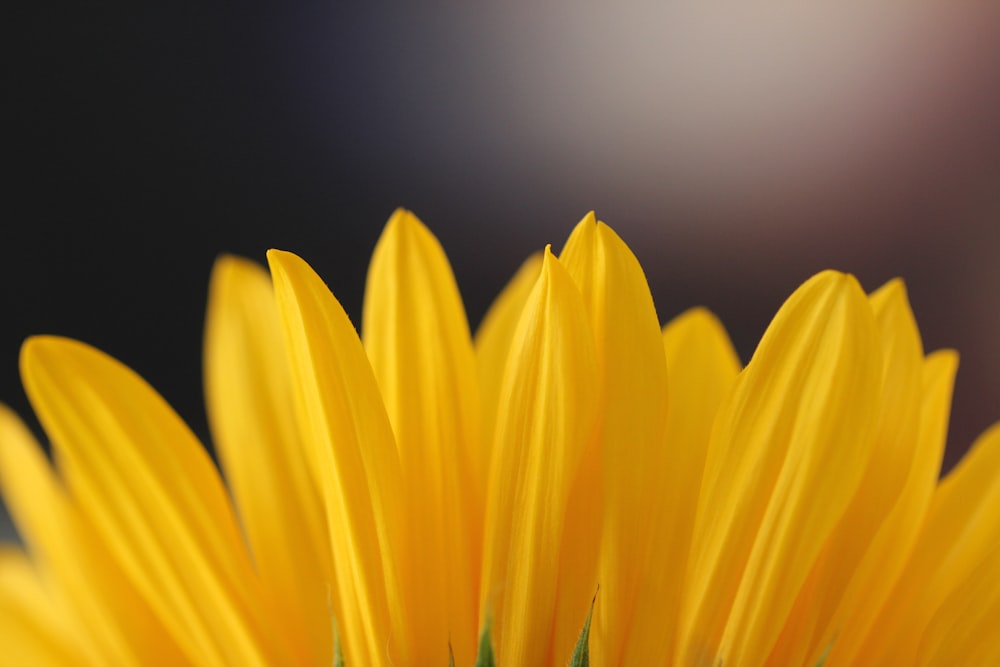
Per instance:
x=738, y=151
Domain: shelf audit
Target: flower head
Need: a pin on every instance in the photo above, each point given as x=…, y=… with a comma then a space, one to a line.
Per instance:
x=572, y=481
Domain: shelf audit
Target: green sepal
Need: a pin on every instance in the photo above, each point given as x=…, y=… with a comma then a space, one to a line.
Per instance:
x=581, y=654
x=338, y=651
x=826, y=654
x=485, y=656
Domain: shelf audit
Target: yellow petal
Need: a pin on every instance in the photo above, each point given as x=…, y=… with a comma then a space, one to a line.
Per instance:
x=248, y=391
x=796, y=427
x=417, y=338
x=494, y=336
x=813, y=622
x=115, y=621
x=963, y=631
x=32, y=631
x=632, y=368
x=546, y=426
x=354, y=456
x=889, y=550
x=155, y=499
x=951, y=582
x=702, y=367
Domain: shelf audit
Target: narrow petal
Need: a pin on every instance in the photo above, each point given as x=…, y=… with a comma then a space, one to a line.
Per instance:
x=493, y=338
x=813, y=623
x=115, y=621
x=890, y=549
x=797, y=427
x=963, y=631
x=354, y=455
x=632, y=367
x=248, y=390
x=546, y=427
x=32, y=631
x=950, y=583
x=702, y=367
x=416, y=334
x=155, y=498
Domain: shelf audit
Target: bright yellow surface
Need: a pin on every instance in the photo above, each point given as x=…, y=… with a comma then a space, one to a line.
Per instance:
x=401, y=491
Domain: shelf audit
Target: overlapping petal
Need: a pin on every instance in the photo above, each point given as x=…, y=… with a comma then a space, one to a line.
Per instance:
x=797, y=426
x=155, y=498
x=248, y=391
x=494, y=336
x=417, y=338
x=353, y=454
x=633, y=381
x=32, y=631
x=837, y=578
x=943, y=600
x=547, y=426
x=111, y=618
x=890, y=549
x=399, y=497
x=702, y=367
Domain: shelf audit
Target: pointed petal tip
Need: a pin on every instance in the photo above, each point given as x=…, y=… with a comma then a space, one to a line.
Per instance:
x=276, y=254
x=607, y=232
x=401, y=213
x=895, y=287
x=894, y=297
x=894, y=291
x=891, y=306
x=582, y=235
x=550, y=265
x=405, y=229
x=282, y=261
x=402, y=220
x=548, y=259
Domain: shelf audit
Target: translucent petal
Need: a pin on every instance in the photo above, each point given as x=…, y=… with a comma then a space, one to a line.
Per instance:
x=354, y=455
x=963, y=631
x=812, y=625
x=702, y=367
x=890, y=549
x=32, y=631
x=547, y=424
x=248, y=391
x=114, y=620
x=155, y=498
x=632, y=368
x=494, y=336
x=417, y=337
x=950, y=579
x=796, y=427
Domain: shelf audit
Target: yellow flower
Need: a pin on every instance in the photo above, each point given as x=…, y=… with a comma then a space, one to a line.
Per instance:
x=573, y=474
